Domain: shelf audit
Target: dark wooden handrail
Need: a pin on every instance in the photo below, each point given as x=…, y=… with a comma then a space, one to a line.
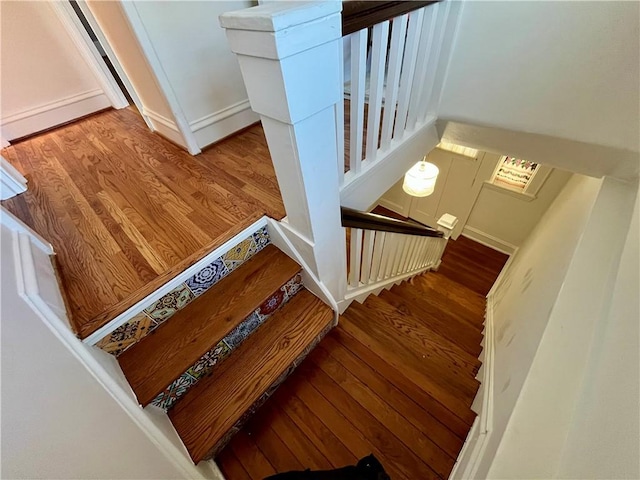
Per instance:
x=372, y=221
x=357, y=15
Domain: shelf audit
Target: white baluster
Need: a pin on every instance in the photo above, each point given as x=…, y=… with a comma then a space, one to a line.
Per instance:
x=434, y=58
x=378, y=62
x=378, y=250
x=340, y=125
x=424, y=52
x=358, y=77
x=396, y=52
x=367, y=255
x=408, y=68
x=355, y=257
x=406, y=267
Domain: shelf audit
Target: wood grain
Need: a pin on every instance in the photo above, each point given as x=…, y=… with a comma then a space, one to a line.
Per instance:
x=396, y=378
x=215, y=404
x=158, y=359
x=126, y=210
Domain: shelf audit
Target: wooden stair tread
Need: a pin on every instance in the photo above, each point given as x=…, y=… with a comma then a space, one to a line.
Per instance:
x=161, y=357
x=214, y=405
x=444, y=323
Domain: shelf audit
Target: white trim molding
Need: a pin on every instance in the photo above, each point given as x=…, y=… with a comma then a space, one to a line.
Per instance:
x=54, y=113
x=218, y=125
x=164, y=126
x=90, y=53
x=488, y=240
x=12, y=182
x=472, y=452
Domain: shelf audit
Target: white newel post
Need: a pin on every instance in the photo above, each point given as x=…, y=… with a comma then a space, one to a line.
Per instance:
x=446, y=224
x=289, y=54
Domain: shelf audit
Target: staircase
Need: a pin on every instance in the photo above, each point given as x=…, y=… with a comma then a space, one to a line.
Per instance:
x=222, y=355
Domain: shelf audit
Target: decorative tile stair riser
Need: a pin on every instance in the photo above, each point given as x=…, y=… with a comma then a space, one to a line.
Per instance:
x=160, y=311
x=209, y=360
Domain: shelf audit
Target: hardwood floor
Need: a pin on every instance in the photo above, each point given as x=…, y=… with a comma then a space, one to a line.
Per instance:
x=396, y=378
x=126, y=210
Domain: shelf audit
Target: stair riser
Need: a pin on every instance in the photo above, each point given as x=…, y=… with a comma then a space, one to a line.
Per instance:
x=158, y=312
x=207, y=363
x=267, y=394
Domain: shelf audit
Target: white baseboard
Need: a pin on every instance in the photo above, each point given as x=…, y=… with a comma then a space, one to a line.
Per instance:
x=488, y=240
x=55, y=113
x=218, y=125
x=165, y=127
x=472, y=453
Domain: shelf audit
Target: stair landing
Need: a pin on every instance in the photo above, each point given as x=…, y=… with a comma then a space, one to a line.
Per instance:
x=127, y=210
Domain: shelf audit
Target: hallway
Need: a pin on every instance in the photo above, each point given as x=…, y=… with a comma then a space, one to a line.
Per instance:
x=126, y=210
x=396, y=378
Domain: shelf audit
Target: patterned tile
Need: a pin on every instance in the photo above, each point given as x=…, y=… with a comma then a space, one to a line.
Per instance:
x=261, y=238
x=272, y=303
x=126, y=335
x=207, y=277
x=170, y=303
x=293, y=286
x=242, y=331
x=174, y=391
x=208, y=360
x=240, y=253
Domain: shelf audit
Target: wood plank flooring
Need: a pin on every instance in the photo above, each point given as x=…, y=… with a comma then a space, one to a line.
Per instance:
x=396, y=378
x=126, y=210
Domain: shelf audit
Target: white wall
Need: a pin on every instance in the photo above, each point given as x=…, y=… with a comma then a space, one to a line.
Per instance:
x=57, y=421
x=202, y=71
x=550, y=81
x=504, y=219
x=604, y=439
x=527, y=294
x=45, y=80
x=487, y=213
x=545, y=313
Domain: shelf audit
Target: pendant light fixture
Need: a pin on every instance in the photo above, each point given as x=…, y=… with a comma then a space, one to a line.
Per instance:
x=420, y=180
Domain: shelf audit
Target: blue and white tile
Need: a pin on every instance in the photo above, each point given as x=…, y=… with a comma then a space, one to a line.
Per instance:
x=261, y=238
x=242, y=331
x=207, y=277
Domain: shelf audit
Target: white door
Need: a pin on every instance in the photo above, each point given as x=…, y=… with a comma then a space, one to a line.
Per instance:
x=456, y=190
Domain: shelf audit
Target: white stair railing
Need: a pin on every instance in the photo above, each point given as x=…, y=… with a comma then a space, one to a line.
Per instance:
x=380, y=257
x=391, y=83
x=291, y=58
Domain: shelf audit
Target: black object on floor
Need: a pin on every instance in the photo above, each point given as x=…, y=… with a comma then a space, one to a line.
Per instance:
x=369, y=468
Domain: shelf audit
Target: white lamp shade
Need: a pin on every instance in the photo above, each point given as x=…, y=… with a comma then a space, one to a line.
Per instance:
x=420, y=180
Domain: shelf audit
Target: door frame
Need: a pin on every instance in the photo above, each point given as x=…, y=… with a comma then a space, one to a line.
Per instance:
x=90, y=53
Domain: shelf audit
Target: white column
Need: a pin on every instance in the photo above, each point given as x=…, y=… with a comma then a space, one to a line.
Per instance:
x=289, y=54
